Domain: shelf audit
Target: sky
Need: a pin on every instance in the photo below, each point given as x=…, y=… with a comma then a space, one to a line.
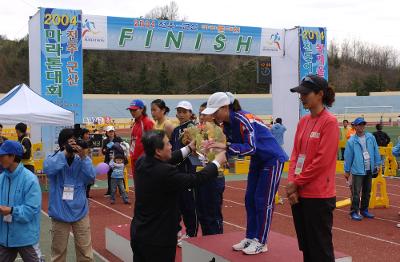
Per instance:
x=372, y=21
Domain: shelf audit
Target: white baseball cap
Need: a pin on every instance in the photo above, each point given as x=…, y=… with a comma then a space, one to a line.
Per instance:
x=185, y=104
x=215, y=102
x=109, y=128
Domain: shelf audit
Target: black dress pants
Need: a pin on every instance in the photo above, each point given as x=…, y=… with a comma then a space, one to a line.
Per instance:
x=313, y=220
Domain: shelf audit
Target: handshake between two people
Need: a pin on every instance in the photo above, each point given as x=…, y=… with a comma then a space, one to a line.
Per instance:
x=210, y=151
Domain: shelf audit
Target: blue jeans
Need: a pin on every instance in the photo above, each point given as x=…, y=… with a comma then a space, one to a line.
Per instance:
x=118, y=182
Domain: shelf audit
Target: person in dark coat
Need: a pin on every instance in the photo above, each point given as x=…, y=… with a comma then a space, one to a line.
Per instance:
x=110, y=148
x=381, y=137
x=158, y=185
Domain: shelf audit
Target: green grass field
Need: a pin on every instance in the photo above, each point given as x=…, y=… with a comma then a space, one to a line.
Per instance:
x=392, y=131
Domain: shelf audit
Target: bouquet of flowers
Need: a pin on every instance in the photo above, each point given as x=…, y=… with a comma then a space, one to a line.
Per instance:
x=204, y=135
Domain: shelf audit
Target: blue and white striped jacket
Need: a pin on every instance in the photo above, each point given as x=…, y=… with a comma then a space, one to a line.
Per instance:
x=248, y=135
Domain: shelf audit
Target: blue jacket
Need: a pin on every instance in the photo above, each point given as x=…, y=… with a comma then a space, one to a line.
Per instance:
x=396, y=149
x=79, y=175
x=117, y=169
x=21, y=191
x=353, y=154
x=248, y=135
x=277, y=131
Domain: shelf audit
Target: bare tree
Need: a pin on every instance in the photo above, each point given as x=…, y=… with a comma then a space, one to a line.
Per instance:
x=345, y=51
x=167, y=12
x=333, y=49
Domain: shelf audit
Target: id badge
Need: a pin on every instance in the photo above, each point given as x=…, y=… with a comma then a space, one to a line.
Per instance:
x=366, y=155
x=300, y=164
x=8, y=218
x=68, y=193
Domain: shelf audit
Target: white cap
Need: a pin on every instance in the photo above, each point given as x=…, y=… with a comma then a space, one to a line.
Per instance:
x=109, y=128
x=185, y=104
x=215, y=102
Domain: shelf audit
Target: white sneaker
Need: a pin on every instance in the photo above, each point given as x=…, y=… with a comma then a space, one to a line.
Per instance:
x=179, y=235
x=179, y=244
x=255, y=247
x=242, y=244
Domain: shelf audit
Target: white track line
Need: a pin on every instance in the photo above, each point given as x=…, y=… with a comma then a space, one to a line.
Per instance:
x=243, y=189
x=72, y=235
x=336, y=228
x=281, y=214
x=387, y=178
x=109, y=208
x=237, y=188
x=338, y=209
x=234, y=225
x=348, y=187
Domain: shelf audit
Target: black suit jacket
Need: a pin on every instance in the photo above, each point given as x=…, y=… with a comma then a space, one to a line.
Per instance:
x=157, y=187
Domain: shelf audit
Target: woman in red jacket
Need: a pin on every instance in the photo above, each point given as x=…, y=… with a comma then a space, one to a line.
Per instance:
x=142, y=123
x=311, y=189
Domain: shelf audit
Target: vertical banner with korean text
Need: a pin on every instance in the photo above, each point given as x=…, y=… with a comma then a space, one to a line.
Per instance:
x=313, y=54
x=61, y=58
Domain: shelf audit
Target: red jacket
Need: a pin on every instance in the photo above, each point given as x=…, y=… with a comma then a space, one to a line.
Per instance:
x=317, y=138
x=139, y=126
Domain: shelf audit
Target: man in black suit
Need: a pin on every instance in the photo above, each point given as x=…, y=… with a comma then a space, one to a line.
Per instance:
x=158, y=184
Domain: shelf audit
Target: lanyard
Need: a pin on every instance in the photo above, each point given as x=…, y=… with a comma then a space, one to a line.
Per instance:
x=308, y=137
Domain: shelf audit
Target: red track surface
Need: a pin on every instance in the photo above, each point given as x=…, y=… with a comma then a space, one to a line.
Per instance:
x=368, y=240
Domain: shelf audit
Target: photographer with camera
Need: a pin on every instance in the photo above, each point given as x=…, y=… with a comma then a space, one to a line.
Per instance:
x=69, y=171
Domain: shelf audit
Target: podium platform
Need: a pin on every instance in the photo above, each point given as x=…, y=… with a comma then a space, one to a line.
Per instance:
x=118, y=241
x=218, y=248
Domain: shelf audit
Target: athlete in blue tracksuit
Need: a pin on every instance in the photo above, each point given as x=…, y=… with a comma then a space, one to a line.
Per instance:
x=248, y=135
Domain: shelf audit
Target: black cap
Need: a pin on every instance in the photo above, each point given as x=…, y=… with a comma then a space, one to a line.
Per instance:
x=64, y=135
x=119, y=156
x=311, y=83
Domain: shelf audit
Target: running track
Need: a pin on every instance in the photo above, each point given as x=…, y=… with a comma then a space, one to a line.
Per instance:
x=368, y=240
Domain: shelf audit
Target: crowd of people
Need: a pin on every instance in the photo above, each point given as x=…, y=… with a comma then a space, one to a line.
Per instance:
x=173, y=188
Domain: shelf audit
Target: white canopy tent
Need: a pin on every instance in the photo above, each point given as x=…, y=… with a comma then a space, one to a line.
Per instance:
x=22, y=104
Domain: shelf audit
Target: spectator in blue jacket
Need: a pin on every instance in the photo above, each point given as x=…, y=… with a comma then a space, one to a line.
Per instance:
x=396, y=152
x=396, y=149
x=69, y=171
x=20, y=202
x=361, y=159
x=278, y=130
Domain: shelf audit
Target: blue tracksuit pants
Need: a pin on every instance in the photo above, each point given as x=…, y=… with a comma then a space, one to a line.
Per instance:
x=262, y=185
x=209, y=206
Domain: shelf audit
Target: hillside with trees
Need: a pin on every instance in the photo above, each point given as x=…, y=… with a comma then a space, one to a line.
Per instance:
x=354, y=66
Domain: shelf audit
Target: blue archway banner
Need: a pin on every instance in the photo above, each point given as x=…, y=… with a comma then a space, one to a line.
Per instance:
x=139, y=34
